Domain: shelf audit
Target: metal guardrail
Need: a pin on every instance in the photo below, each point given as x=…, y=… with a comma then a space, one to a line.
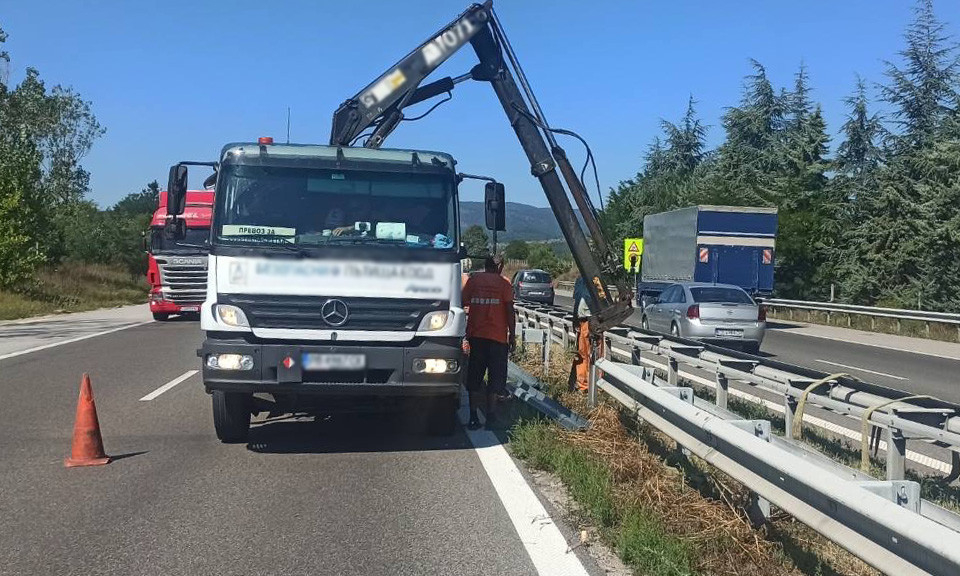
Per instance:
x=883, y=522
x=872, y=312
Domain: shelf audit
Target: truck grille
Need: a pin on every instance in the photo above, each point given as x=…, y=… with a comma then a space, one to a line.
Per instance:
x=184, y=278
x=305, y=312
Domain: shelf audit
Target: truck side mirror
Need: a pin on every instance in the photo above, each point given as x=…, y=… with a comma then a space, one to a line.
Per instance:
x=143, y=241
x=177, y=190
x=494, y=206
x=463, y=252
x=176, y=229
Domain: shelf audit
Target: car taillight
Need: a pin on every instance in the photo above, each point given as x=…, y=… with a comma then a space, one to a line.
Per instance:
x=762, y=314
x=693, y=312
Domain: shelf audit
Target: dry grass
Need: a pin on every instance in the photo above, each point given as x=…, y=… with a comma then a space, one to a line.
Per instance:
x=691, y=501
x=73, y=287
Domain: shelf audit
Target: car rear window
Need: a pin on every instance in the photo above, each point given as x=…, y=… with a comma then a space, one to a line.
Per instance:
x=719, y=294
x=537, y=277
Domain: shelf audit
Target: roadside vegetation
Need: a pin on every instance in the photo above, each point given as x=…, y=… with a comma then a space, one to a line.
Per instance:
x=873, y=212
x=661, y=512
x=58, y=249
x=73, y=287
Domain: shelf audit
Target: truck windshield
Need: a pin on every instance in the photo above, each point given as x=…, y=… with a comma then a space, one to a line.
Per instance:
x=194, y=237
x=261, y=205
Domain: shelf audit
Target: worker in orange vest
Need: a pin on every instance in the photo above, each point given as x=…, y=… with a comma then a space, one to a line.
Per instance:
x=581, y=322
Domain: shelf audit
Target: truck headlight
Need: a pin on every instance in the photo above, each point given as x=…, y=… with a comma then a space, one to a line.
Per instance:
x=435, y=366
x=434, y=321
x=231, y=316
x=230, y=362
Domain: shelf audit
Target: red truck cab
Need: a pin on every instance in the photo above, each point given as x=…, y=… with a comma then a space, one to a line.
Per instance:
x=177, y=268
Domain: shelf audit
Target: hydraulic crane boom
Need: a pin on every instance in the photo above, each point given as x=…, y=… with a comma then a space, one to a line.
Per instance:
x=380, y=106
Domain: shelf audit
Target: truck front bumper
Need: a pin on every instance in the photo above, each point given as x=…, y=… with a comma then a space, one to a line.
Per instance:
x=389, y=369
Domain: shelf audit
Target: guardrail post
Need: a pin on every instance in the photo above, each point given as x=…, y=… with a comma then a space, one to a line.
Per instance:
x=547, y=343
x=896, y=454
x=672, y=369
x=789, y=413
x=592, y=378
x=722, y=388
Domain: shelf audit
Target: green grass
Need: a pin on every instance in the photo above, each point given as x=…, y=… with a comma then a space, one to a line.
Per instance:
x=640, y=539
x=73, y=287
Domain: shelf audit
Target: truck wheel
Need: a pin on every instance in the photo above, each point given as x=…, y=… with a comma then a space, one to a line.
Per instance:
x=231, y=416
x=443, y=416
x=160, y=316
x=644, y=324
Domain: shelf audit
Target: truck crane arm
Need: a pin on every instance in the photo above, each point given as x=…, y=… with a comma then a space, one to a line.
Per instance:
x=380, y=106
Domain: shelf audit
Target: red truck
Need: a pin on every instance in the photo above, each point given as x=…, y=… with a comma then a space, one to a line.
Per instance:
x=177, y=268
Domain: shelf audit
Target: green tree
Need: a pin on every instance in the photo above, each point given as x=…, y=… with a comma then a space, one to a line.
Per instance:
x=138, y=203
x=477, y=243
x=517, y=250
x=543, y=257
x=857, y=166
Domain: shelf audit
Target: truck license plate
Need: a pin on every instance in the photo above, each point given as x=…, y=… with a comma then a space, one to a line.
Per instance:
x=730, y=332
x=325, y=362
x=189, y=308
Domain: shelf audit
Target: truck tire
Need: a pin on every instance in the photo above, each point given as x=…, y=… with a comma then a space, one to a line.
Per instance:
x=231, y=416
x=443, y=416
x=644, y=324
x=160, y=316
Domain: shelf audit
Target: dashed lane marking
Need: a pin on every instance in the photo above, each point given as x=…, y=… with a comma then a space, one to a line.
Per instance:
x=895, y=377
x=168, y=385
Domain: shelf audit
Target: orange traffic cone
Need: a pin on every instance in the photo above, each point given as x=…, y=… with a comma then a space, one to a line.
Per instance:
x=87, y=443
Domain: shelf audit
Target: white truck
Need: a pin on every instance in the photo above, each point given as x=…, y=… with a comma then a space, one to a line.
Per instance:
x=334, y=282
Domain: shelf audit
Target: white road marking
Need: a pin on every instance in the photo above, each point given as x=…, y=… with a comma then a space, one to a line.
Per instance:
x=548, y=549
x=861, y=369
x=168, y=385
x=72, y=340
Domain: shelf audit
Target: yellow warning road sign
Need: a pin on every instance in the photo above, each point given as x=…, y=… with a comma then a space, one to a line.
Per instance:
x=632, y=253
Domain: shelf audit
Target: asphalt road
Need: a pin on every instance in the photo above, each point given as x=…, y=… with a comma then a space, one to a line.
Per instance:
x=898, y=369
x=345, y=496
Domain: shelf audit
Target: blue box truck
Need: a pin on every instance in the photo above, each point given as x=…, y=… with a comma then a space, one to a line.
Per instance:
x=721, y=244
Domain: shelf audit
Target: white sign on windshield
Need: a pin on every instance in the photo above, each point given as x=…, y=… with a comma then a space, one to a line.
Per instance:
x=256, y=230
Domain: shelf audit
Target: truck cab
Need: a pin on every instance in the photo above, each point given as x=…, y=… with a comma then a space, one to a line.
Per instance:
x=334, y=283
x=177, y=266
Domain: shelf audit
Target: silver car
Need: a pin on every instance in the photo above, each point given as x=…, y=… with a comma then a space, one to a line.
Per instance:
x=718, y=313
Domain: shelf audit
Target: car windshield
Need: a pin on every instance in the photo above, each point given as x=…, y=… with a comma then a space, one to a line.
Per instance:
x=720, y=294
x=194, y=237
x=536, y=277
x=260, y=205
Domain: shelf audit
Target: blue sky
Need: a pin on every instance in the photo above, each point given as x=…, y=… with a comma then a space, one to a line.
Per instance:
x=178, y=79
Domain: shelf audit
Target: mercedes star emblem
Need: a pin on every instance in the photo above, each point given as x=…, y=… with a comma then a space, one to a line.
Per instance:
x=334, y=312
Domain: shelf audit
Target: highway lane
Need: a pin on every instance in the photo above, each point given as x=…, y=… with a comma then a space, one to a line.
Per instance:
x=30, y=334
x=345, y=496
x=898, y=369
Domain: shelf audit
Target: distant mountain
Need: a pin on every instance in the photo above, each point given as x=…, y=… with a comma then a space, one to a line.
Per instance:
x=524, y=222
